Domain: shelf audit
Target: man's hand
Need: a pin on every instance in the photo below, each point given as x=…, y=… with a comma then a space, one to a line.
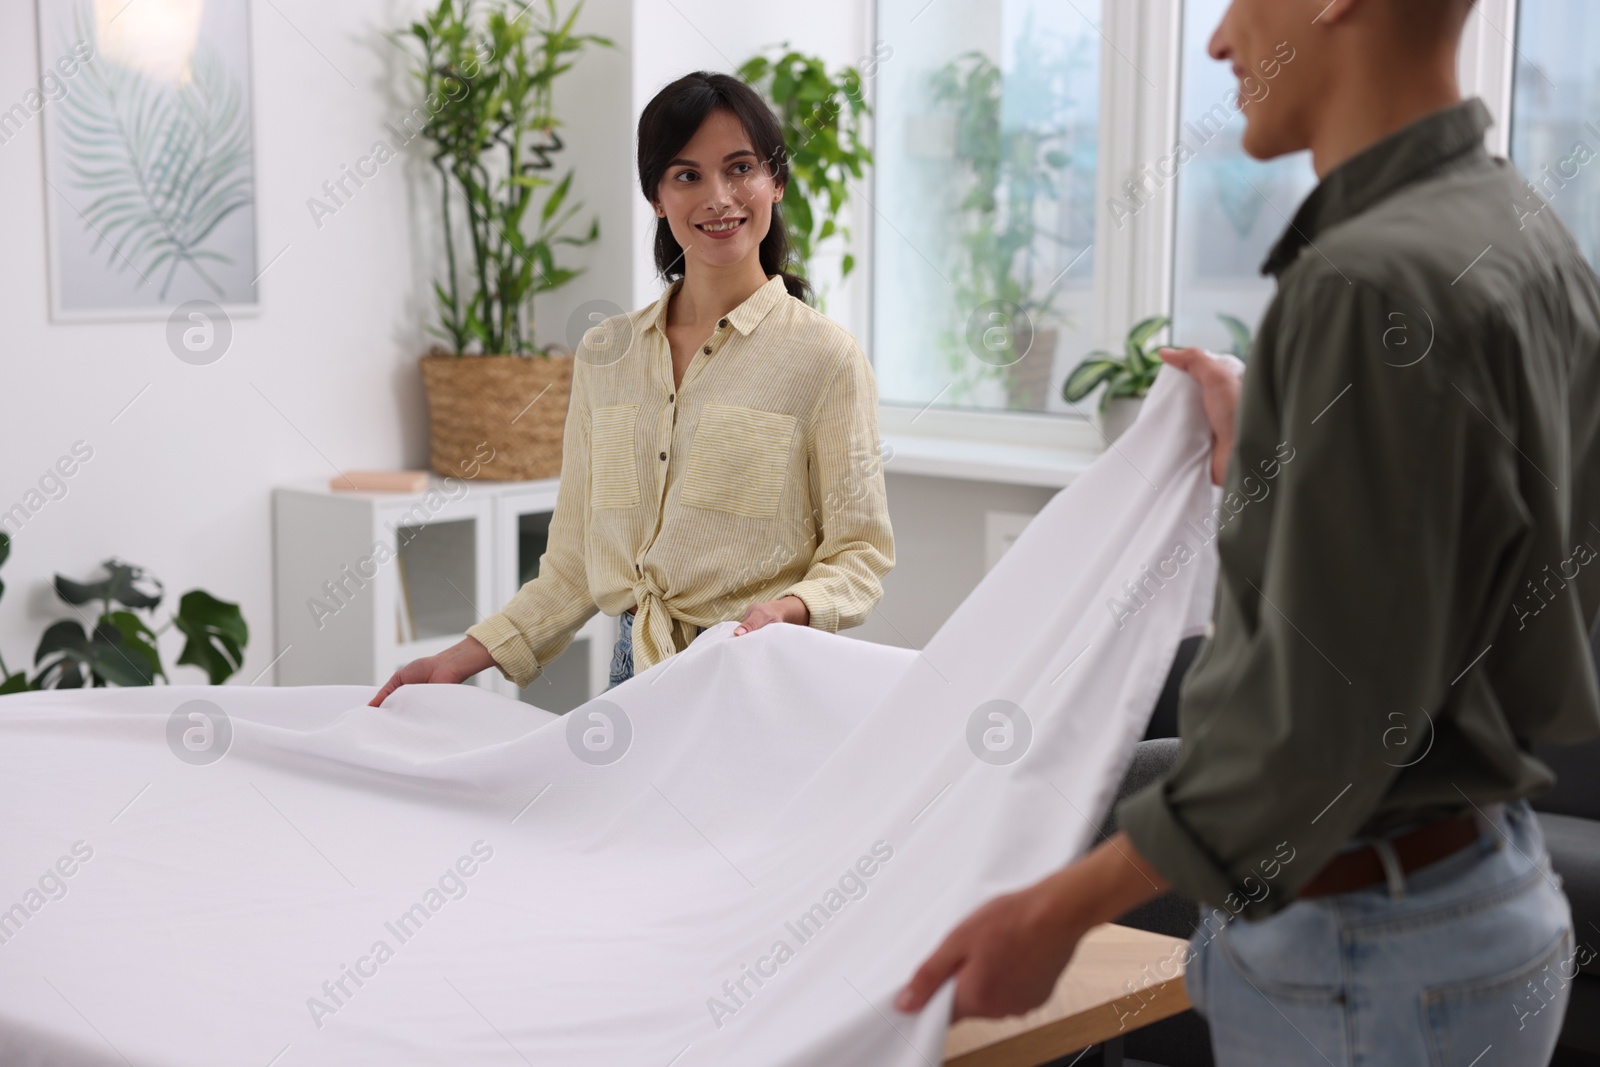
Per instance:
x=455, y=664
x=1007, y=955
x=1219, y=395
x=1006, y=958
x=784, y=609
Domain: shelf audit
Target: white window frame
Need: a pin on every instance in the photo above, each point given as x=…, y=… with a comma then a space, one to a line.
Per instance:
x=1133, y=275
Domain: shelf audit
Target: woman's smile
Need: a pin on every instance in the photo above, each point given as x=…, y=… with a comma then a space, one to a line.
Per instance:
x=722, y=228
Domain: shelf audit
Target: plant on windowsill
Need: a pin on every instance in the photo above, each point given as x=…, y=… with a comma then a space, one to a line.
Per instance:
x=121, y=648
x=1010, y=178
x=822, y=116
x=487, y=74
x=1127, y=377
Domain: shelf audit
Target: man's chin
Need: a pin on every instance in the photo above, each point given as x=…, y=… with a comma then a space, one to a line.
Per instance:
x=1262, y=143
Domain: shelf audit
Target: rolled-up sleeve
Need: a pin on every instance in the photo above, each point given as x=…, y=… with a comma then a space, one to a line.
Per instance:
x=1330, y=627
x=855, y=547
x=539, y=621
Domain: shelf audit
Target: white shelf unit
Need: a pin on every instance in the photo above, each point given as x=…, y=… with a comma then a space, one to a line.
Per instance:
x=365, y=582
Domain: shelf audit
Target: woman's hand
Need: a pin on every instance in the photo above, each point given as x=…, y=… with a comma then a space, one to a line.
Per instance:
x=784, y=609
x=1219, y=395
x=455, y=664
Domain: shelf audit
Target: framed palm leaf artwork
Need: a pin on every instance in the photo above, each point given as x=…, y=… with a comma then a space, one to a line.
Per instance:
x=148, y=156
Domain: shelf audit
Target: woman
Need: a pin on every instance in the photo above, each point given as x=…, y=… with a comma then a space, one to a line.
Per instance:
x=726, y=465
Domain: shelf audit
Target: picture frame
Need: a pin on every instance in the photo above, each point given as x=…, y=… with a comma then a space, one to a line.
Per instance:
x=147, y=117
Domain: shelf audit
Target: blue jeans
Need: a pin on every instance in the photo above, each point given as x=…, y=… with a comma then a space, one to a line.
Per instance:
x=1463, y=963
x=622, y=653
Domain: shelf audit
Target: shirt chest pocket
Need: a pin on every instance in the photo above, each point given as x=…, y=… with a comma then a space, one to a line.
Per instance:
x=614, y=456
x=739, y=461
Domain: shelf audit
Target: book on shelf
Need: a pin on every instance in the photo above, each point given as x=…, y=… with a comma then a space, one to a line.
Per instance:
x=379, y=481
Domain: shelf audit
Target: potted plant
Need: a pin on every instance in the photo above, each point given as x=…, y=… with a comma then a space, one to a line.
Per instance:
x=823, y=117
x=1126, y=377
x=121, y=647
x=1011, y=171
x=487, y=73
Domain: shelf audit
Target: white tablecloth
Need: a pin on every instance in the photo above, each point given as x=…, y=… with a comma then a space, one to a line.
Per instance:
x=794, y=821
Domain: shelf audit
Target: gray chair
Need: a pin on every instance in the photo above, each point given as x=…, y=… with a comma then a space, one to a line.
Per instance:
x=1184, y=1040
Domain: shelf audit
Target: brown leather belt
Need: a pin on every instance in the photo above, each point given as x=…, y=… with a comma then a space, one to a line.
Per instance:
x=1361, y=868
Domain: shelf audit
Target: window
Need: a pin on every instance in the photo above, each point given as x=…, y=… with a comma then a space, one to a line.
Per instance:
x=1555, y=112
x=1231, y=209
x=1046, y=176
x=985, y=206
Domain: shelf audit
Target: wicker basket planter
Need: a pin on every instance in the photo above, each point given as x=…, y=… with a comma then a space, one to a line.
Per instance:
x=514, y=405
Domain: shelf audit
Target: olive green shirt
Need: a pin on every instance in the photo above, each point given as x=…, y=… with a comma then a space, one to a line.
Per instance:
x=1409, y=526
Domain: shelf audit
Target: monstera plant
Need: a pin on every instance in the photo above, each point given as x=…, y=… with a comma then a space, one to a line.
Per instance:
x=120, y=648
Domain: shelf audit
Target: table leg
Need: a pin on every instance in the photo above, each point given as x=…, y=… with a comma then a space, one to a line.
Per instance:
x=1111, y=1055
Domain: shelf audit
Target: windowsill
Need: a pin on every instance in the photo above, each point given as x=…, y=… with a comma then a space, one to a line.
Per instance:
x=1005, y=447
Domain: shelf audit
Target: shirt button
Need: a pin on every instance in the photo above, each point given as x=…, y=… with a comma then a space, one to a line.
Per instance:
x=670, y=397
x=722, y=324
x=663, y=455
x=637, y=569
x=706, y=350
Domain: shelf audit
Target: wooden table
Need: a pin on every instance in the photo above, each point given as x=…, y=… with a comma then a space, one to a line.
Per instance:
x=1119, y=980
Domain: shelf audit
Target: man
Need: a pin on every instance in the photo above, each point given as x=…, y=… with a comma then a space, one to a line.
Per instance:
x=1396, y=623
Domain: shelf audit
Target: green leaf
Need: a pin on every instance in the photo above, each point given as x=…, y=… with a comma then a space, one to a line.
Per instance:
x=1088, y=374
x=216, y=634
x=557, y=195
x=63, y=652
x=1239, y=332
x=114, y=660
x=16, y=683
x=132, y=586
x=1141, y=333
x=138, y=638
x=5, y=547
x=82, y=592
x=124, y=583
x=1134, y=358
x=63, y=636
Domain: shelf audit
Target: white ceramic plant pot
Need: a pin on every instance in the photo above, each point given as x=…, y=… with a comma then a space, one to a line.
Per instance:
x=1118, y=415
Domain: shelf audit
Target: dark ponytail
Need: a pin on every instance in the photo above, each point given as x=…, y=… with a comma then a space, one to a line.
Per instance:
x=671, y=120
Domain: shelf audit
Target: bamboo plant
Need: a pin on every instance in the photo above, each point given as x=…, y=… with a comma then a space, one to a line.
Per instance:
x=487, y=72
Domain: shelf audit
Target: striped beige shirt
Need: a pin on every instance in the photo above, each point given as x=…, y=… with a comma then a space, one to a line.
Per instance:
x=759, y=477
